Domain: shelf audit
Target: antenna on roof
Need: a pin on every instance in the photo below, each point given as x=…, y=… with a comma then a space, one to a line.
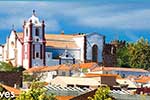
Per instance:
x=33, y=12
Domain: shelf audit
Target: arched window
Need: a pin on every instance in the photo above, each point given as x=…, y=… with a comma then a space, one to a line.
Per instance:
x=95, y=53
x=26, y=31
x=37, y=31
x=12, y=44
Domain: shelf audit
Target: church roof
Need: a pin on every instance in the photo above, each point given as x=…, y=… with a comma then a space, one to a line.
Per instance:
x=58, y=40
x=61, y=40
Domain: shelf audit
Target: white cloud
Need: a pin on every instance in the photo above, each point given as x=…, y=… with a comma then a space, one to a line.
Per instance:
x=111, y=16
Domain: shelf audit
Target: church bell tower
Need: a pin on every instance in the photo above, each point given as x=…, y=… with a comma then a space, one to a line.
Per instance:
x=33, y=42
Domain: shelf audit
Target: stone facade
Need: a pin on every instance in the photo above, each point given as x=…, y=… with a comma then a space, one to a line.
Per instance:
x=109, y=52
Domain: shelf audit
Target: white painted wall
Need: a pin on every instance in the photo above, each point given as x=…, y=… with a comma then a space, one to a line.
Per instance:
x=1, y=53
x=48, y=76
x=80, y=43
x=5, y=51
x=94, y=38
x=12, y=47
x=19, y=53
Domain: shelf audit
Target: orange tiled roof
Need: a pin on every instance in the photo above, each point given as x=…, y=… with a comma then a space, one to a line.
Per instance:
x=142, y=79
x=61, y=67
x=35, y=69
x=61, y=36
x=61, y=44
x=51, y=68
x=64, y=97
x=11, y=89
x=85, y=65
x=58, y=40
x=100, y=75
x=61, y=41
x=119, y=69
x=48, y=68
x=64, y=67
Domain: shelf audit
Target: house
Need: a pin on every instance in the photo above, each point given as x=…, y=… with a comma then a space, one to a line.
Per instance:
x=108, y=79
x=124, y=72
x=142, y=81
x=33, y=47
x=50, y=72
x=126, y=82
x=81, y=82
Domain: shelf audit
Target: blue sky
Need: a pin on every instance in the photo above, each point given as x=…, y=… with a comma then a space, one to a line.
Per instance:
x=116, y=20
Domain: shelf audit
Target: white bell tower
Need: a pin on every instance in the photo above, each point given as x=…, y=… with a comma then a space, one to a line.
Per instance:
x=33, y=42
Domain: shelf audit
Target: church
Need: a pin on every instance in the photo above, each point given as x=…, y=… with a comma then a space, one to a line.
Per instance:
x=33, y=47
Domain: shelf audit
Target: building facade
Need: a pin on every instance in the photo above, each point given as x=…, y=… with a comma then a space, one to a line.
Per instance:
x=33, y=47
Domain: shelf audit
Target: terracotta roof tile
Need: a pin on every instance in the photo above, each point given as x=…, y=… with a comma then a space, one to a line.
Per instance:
x=64, y=97
x=35, y=69
x=119, y=69
x=142, y=79
x=11, y=89
x=57, y=40
x=86, y=65
x=61, y=37
x=51, y=68
x=61, y=41
x=61, y=44
x=64, y=67
x=48, y=68
x=100, y=75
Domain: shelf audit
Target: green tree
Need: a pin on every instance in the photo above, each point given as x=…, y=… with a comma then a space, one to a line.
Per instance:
x=5, y=66
x=123, y=57
x=140, y=54
x=134, y=55
x=102, y=93
x=36, y=92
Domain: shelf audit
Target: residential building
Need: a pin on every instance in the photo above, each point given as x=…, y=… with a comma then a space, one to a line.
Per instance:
x=107, y=79
x=124, y=72
x=50, y=72
x=65, y=81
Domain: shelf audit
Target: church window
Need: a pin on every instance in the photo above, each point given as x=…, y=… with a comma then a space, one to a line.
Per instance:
x=26, y=31
x=67, y=55
x=33, y=51
x=63, y=74
x=37, y=31
x=37, y=40
x=48, y=55
x=12, y=44
x=37, y=55
x=95, y=53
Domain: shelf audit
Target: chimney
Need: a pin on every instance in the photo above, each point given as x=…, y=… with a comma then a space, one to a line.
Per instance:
x=62, y=32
